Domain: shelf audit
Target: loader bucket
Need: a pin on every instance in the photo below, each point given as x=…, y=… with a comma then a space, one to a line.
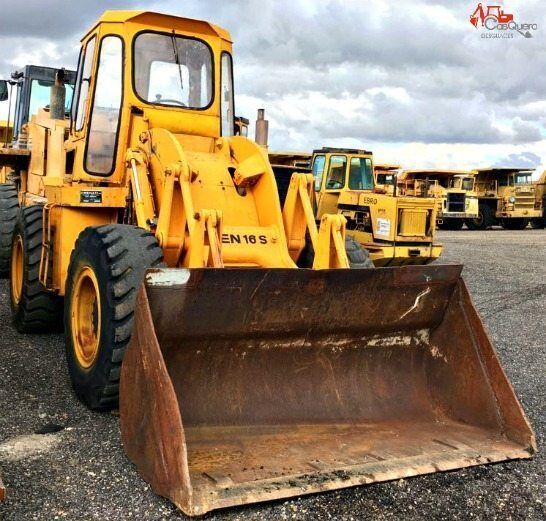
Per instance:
x=246, y=385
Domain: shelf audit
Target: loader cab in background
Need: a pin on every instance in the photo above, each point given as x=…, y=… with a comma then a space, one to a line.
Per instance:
x=31, y=91
x=395, y=230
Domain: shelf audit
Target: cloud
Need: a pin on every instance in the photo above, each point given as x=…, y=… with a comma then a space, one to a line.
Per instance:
x=389, y=74
x=523, y=160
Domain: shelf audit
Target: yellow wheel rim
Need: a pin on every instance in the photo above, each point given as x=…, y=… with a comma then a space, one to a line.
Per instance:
x=85, y=317
x=17, y=263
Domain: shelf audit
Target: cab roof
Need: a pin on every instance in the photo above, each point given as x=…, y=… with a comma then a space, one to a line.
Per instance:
x=166, y=21
x=332, y=150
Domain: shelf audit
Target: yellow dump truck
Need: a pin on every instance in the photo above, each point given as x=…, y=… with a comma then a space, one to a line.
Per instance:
x=506, y=196
x=154, y=237
x=454, y=191
x=386, y=177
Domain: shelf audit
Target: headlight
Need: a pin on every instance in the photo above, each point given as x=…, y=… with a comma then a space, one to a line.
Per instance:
x=512, y=199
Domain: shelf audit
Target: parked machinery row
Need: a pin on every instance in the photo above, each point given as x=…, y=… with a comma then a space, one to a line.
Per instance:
x=254, y=352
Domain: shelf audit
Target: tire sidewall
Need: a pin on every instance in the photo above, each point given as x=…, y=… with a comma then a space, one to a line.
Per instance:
x=89, y=381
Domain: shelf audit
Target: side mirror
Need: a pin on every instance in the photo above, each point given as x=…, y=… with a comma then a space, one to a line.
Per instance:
x=3, y=90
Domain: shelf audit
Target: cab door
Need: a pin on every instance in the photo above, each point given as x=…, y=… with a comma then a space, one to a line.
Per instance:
x=333, y=185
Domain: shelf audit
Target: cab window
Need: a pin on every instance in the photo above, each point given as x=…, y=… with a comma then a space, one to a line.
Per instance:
x=105, y=113
x=336, y=172
x=468, y=184
x=318, y=171
x=82, y=84
x=360, y=174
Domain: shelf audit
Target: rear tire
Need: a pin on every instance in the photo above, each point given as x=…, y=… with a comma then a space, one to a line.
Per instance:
x=484, y=221
x=34, y=309
x=106, y=269
x=514, y=224
x=451, y=224
x=9, y=210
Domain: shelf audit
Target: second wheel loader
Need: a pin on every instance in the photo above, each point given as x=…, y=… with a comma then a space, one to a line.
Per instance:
x=160, y=238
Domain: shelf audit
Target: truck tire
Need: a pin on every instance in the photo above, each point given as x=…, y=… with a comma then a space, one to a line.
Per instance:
x=9, y=209
x=34, y=309
x=484, y=221
x=538, y=224
x=359, y=257
x=106, y=269
x=514, y=224
x=451, y=224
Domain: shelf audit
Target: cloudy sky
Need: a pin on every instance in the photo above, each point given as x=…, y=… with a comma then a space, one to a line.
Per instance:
x=411, y=80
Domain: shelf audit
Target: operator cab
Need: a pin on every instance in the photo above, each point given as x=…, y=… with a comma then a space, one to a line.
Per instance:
x=31, y=89
x=461, y=182
x=336, y=169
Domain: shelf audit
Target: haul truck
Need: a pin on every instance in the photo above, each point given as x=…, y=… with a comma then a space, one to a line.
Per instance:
x=453, y=190
x=155, y=238
x=506, y=196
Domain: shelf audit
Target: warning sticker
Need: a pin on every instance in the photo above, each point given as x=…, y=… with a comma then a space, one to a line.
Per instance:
x=383, y=227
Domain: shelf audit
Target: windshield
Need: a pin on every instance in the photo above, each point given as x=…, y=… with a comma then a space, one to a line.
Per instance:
x=468, y=184
x=522, y=179
x=360, y=174
x=40, y=94
x=172, y=70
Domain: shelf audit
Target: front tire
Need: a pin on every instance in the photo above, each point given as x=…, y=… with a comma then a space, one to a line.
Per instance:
x=484, y=221
x=9, y=210
x=106, y=268
x=515, y=224
x=34, y=309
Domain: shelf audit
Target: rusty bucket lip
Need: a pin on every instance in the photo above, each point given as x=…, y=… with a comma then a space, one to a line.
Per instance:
x=405, y=275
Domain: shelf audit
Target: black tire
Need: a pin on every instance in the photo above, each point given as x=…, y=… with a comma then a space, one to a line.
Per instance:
x=359, y=258
x=117, y=255
x=538, y=224
x=484, y=221
x=34, y=309
x=451, y=224
x=9, y=210
x=514, y=224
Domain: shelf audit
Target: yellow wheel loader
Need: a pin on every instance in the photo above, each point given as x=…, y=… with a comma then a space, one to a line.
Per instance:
x=395, y=229
x=161, y=239
x=454, y=191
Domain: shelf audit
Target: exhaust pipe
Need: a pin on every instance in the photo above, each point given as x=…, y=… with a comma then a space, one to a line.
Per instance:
x=262, y=129
x=58, y=96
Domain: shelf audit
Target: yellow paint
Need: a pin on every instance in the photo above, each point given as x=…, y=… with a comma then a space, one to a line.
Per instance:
x=85, y=317
x=395, y=229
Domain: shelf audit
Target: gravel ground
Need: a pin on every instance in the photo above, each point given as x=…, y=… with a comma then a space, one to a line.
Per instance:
x=81, y=472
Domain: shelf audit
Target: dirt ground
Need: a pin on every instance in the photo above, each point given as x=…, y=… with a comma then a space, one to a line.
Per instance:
x=81, y=472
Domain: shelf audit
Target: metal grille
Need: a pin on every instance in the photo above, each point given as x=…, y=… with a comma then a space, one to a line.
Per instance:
x=455, y=202
x=413, y=222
